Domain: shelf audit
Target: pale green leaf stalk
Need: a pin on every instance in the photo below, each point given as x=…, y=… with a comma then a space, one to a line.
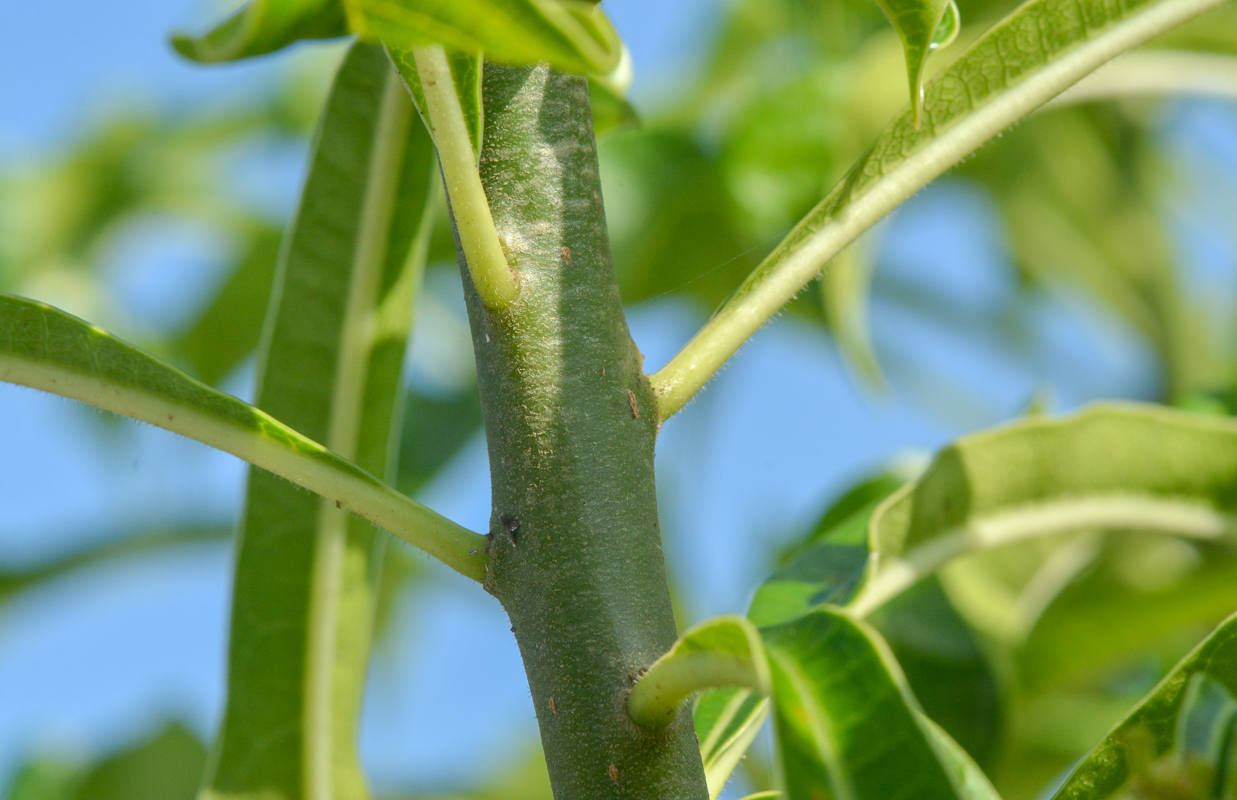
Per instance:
x=44, y=348
x=923, y=26
x=470, y=209
x=306, y=574
x=844, y=287
x=1037, y=52
x=1181, y=731
x=465, y=74
x=724, y=651
x=1113, y=466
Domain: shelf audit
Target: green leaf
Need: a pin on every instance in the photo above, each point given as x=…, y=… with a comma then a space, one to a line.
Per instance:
x=923, y=26
x=571, y=35
x=937, y=652
x=727, y=721
x=611, y=111
x=724, y=651
x=167, y=766
x=46, y=349
x=1103, y=623
x=1108, y=467
x=1175, y=739
x=306, y=592
x=844, y=288
x=263, y=26
x=1025, y=60
x=228, y=329
x=846, y=721
x=18, y=579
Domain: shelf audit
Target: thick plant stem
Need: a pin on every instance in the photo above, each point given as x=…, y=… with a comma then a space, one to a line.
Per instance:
x=575, y=551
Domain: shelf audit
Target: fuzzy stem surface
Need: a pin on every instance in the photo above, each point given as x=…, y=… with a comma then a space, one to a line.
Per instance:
x=575, y=551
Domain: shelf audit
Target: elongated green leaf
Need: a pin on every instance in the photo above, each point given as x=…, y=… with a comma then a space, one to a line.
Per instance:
x=1111, y=466
x=1028, y=58
x=923, y=26
x=724, y=651
x=263, y=26
x=727, y=721
x=47, y=349
x=306, y=574
x=571, y=35
x=1174, y=743
x=166, y=766
x=229, y=327
x=844, y=288
x=847, y=723
x=18, y=579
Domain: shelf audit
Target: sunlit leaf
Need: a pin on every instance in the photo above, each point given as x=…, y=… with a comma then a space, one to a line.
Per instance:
x=44, y=348
x=1111, y=466
x=571, y=35
x=1022, y=62
x=263, y=26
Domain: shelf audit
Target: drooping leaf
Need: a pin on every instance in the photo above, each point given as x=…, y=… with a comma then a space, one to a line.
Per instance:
x=571, y=35
x=1110, y=466
x=923, y=26
x=1174, y=741
x=166, y=766
x=15, y=579
x=263, y=26
x=939, y=656
x=305, y=591
x=1025, y=60
x=434, y=431
x=228, y=329
x=847, y=723
x=723, y=651
x=844, y=288
x=727, y=721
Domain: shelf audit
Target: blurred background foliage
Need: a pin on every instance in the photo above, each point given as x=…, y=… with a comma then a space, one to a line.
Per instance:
x=1026, y=655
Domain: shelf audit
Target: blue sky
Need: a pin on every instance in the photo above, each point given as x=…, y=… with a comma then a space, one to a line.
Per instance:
x=100, y=657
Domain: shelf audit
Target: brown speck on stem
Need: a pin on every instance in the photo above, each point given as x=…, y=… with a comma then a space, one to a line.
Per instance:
x=613, y=772
x=338, y=504
x=603, y=372
x=169, y=417
x=631, y=403
x=566, y=254
x=553, y=706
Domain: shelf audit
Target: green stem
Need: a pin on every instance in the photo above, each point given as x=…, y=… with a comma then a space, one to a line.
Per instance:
x=474, y=225
x=575, y=554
